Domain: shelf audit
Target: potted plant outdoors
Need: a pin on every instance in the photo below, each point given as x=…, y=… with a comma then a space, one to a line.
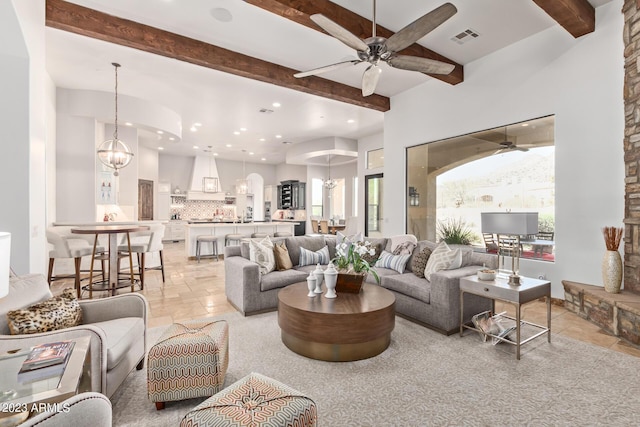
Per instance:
x=455, y=232
x=352, y=267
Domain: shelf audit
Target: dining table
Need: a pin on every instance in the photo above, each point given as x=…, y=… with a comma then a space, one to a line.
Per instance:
x=112, y=231
x=333, y=229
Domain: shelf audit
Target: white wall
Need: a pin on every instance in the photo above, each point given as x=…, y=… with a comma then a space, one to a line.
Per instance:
x=580, y=81
x=369, y=143
x=175, y=170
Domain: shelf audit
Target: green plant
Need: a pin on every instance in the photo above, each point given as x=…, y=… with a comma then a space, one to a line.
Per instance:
x=349, y=258
x=546, y=222
x=455, y=232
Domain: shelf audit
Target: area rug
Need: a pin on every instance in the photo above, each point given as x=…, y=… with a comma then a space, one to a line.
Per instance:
x=424, y=379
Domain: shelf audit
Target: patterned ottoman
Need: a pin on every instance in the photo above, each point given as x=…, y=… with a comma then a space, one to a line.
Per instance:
x=189, y=360
x=254, y=401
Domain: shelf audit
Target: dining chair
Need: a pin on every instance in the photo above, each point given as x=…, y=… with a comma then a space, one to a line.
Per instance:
x=314, y=226
x=324, y=226
x=490, y=243
x=143, y=242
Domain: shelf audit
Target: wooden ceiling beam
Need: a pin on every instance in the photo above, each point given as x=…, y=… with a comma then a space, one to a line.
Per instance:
x=300, y=11
x=77, y=19
x=578, y=17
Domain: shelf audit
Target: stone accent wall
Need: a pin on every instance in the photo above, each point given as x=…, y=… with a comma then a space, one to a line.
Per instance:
x=631, y=36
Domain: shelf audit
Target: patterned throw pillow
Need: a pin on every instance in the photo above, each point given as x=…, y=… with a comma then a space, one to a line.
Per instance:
x=55, y=313
x=393, y=262
x=400, y=239
x=262, y=254
x=404, y=248
x=442, y=258
x=308, y=257
x=419, y=262
x=281, y=254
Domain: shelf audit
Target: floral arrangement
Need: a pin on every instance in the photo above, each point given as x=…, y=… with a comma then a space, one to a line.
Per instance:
x=349, y=258
x=612, y=237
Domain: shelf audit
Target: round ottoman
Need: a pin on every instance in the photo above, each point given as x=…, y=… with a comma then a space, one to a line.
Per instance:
x=189, y=360
x=255, y=400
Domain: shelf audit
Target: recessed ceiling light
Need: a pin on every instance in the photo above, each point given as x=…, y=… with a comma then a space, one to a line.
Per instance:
x=171, y=138
x=278, y=136
x=263, y=159
x=221, y=14
x=525, y=124
x=197, y=124
x=276, y=104
x=215, y=154
x=195, y=147
x=243, y=129
x=262, y=140
x=251, y=153
x=128, y=123
x=229, y=145
x=193, y=129
x=160, y=148
x=351, y=121
x=287, y=142
x=236, y=133
x=159, y=132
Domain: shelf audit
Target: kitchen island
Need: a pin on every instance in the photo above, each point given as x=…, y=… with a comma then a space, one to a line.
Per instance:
x=220, y=229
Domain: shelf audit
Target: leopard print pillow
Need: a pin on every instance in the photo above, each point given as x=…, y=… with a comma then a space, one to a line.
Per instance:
x=55, y=313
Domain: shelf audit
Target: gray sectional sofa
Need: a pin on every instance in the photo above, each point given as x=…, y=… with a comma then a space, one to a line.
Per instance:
x=435, y=303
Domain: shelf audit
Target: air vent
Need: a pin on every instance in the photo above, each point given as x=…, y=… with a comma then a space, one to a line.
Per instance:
x=465, y=36
x=265, y=111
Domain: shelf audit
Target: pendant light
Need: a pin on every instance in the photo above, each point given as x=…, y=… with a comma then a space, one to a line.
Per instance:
x=114, y=153
x=242, y=186
x=330, y=184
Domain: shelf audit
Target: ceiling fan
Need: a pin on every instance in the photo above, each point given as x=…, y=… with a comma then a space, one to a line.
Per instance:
x=508, y=145
x=376, y=49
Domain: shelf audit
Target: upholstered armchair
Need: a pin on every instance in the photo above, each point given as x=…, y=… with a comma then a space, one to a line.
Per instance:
x=117, y=326
x=82, y=410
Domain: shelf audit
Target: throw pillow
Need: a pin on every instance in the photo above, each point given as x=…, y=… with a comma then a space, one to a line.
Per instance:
x=55, y=313
x=441, y=259
x=393, y=262
x=262, y=254
x=400, y=239
x=281, y=254
x=456, y=262
x=404, y=248
x=420, y=262
x=308, y=257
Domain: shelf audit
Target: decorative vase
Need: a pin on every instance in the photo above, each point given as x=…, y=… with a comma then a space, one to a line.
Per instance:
x=311, y=284
x=612, y=271
x=319, y=276
x=330, y=279
x=349, y=282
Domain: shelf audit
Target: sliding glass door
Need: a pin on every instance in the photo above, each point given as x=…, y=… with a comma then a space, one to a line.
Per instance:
x=373, y=205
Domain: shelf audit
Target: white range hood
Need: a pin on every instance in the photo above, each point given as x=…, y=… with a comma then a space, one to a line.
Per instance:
x=204, y=167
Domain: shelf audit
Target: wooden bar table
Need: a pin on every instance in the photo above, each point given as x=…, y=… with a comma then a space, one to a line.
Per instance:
x=112, y=231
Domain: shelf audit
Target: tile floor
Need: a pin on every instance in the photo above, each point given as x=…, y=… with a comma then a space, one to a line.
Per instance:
x=194, y=290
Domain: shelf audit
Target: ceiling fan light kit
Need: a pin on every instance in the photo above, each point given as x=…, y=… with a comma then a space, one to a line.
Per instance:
x=375, y=49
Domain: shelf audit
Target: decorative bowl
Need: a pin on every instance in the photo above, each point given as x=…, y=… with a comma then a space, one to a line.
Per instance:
x=486, y=274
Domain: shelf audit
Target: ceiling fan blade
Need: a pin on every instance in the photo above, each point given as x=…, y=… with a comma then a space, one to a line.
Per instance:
x=520, y=148
x=420, y=27
x=339, y=32
x=326, y=68
x=370, y=79
x=423, y=65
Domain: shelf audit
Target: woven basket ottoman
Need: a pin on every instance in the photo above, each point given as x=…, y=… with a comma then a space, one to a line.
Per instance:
x=189, y=360
x=254, y=401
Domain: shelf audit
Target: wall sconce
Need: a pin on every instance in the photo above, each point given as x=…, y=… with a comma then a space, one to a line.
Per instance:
x=414, y=197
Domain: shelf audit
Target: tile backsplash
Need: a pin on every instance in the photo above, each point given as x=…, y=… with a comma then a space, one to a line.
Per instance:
x=202, y=209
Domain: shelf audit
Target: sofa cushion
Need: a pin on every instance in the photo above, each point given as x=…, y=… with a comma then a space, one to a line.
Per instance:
x=312, y=243
x=23, y=291
x=50, y=315
x=280, y=279
x=394, y=262
x=244, y=245
x=409, y=284
x=281, y=254
x=121, y=335
x=419, y=262
x=440, y=259
x=308, y=257
x=262, y=254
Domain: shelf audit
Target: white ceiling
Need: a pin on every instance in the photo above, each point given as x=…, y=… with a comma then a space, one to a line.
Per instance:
x=225, y=103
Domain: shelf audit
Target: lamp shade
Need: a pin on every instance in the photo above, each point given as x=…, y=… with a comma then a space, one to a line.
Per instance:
x=5, y=262
x=518, y=223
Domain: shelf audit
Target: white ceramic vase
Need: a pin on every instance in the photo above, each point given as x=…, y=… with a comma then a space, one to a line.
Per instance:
x=311, y=284
x=612, y=271
x=330, y=279
x=319, y=276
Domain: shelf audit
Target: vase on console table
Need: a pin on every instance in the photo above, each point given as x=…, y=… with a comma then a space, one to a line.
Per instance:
x=319, y=276
x=330, y=279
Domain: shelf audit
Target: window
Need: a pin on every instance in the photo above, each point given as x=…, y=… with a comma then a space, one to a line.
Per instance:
x=316, y=197
x=337, y=200
x=375, y=159
x=510, y=168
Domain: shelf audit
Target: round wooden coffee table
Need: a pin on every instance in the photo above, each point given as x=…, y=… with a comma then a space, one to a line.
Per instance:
x=349, y=327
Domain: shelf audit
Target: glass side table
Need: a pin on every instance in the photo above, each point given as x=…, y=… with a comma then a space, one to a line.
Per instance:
x=18, y=401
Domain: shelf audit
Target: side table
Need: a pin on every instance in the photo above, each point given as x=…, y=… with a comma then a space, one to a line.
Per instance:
x=499, y=289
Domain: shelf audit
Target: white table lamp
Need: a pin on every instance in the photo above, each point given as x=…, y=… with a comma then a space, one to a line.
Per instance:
x=511, y=224
x=5, y=262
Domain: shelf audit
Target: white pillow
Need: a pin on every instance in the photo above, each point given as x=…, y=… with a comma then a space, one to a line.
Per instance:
x=442, y=258
x=457, y=260
x=262, y=254
x=308, y=257
x=394, y=262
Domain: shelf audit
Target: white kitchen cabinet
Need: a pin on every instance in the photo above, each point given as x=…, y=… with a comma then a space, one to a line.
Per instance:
x=174, y=231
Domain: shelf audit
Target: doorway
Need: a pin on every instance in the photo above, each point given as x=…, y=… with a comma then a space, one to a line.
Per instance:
x=145, y=200
x=373, y=213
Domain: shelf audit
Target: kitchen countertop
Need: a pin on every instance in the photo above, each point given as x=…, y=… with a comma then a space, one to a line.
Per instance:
x=254, y=223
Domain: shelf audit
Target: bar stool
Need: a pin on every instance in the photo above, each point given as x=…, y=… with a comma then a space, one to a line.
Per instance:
x=214, y=246
x=232, y=238
x=281, y=234
x=259, y=235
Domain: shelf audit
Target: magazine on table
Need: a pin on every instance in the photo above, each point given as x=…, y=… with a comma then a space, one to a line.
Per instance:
x=45, y=361
x=489, y=324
